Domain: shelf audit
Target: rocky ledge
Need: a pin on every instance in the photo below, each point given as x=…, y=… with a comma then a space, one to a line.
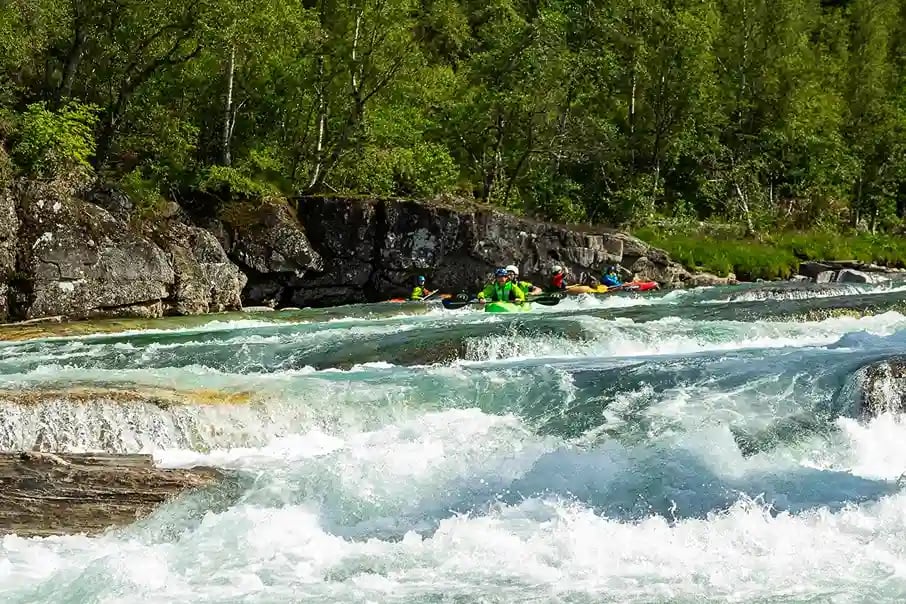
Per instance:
x=848, y=271
x=86, y=255
x=45, y=494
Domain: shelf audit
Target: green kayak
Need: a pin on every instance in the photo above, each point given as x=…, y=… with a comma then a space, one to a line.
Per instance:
x=507, y=307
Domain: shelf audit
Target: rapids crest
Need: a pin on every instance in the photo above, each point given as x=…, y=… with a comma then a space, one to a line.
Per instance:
x=700, y=445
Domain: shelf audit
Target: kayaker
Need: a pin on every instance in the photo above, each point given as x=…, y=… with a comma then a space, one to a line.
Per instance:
x=611, y=278
x=513, y=274
x=558, y=279
x=502, y=289
x=420, y=292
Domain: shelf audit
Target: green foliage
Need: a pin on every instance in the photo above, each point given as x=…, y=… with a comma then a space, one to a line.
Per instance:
x=726, y=250
x=776, y=116
x=49, y=143
x=146, y=199
x=230, y=182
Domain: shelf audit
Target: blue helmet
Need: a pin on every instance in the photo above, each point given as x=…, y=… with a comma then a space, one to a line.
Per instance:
x=500, y=272
x=420, y=279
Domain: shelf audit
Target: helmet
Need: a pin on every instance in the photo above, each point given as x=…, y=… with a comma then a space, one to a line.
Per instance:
x=556, y=269
x=500, y=272
x=420, y=279
x=513, y=269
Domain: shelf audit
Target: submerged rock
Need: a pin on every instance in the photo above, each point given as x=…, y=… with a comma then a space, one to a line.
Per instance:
x=883, y=387
x=124, y=394
x=853, y=276
x=43, y=494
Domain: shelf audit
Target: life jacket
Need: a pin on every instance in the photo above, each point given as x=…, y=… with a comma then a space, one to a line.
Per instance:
x=611, y=280
x=502, y=293
x=557, y=281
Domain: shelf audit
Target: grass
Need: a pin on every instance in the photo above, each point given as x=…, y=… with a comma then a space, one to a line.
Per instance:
x=772, y=255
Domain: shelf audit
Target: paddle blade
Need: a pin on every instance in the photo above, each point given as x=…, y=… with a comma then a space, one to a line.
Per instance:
x=551, y=299
x=458, y=301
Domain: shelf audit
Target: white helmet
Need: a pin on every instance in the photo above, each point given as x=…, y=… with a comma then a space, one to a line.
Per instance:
x=556, y=269
x=513, y=269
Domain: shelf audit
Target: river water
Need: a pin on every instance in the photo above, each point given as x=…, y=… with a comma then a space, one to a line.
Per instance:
x=698, y=446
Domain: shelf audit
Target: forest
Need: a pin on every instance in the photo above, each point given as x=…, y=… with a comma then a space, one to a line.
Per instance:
x=763, y=114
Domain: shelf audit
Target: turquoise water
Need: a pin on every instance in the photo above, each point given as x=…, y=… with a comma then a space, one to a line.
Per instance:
x=685, y=447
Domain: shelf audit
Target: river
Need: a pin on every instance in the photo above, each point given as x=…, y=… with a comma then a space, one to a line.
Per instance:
x=686, y=446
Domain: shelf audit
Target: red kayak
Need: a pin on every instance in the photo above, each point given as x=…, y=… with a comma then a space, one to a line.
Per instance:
x=632, y=286
x=639, y=286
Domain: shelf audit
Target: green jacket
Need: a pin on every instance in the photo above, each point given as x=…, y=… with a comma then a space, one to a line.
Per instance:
x=420, y=292
x=525, y=286
x=508, y=292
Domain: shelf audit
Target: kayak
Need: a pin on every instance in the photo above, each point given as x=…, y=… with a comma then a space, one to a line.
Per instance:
x=636, y=286
x=431, y=299
x=507, y=307
x=639, y=286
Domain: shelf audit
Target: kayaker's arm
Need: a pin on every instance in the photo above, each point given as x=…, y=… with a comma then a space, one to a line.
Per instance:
x=520, y=295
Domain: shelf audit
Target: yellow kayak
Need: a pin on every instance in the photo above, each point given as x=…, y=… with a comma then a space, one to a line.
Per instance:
x=638, y=286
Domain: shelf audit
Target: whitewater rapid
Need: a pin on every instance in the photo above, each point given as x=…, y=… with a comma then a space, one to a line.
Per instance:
x=702, y=446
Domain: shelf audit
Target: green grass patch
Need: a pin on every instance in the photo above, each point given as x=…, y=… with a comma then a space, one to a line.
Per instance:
x=771, y=256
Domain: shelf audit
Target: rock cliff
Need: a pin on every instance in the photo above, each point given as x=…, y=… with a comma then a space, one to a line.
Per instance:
x=65, y=256
x=84, y=255
x=371, y=249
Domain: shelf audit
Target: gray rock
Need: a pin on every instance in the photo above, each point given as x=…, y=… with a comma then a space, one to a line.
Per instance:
x=849, y=275
x=883, y=387
x=204, y=278
x=645, y=269
x=813, y=269
x=373, y=249
x=710, y=280
x=269, y=239
x=9, y=233
x=77, y=260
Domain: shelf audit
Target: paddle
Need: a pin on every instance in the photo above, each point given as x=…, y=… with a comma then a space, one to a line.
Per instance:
x=458, y=301
x=463, y=300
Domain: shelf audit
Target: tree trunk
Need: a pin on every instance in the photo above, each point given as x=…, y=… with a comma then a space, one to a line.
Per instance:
x=73, y=59
x=225, y=156
x=744, y=206
x=321, y=123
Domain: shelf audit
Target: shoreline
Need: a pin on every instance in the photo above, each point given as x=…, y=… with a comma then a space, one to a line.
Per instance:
x=61, y=327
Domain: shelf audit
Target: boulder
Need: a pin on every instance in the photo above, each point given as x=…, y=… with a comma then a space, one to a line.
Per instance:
x=710, y=280
x=43, y=494
x=204, y=278
x=646, y=269
x=813, y=269
x=9, y=233
x=883, y=387
x=849, y=275
x=826, y=277
x=269, y=243
x=268, y=238
x=75, y=259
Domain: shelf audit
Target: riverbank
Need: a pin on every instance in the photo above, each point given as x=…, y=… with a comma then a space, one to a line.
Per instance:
x=93, y=254
x=724, y=249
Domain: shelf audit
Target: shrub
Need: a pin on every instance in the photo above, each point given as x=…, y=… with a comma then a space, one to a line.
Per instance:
x=51, y=143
